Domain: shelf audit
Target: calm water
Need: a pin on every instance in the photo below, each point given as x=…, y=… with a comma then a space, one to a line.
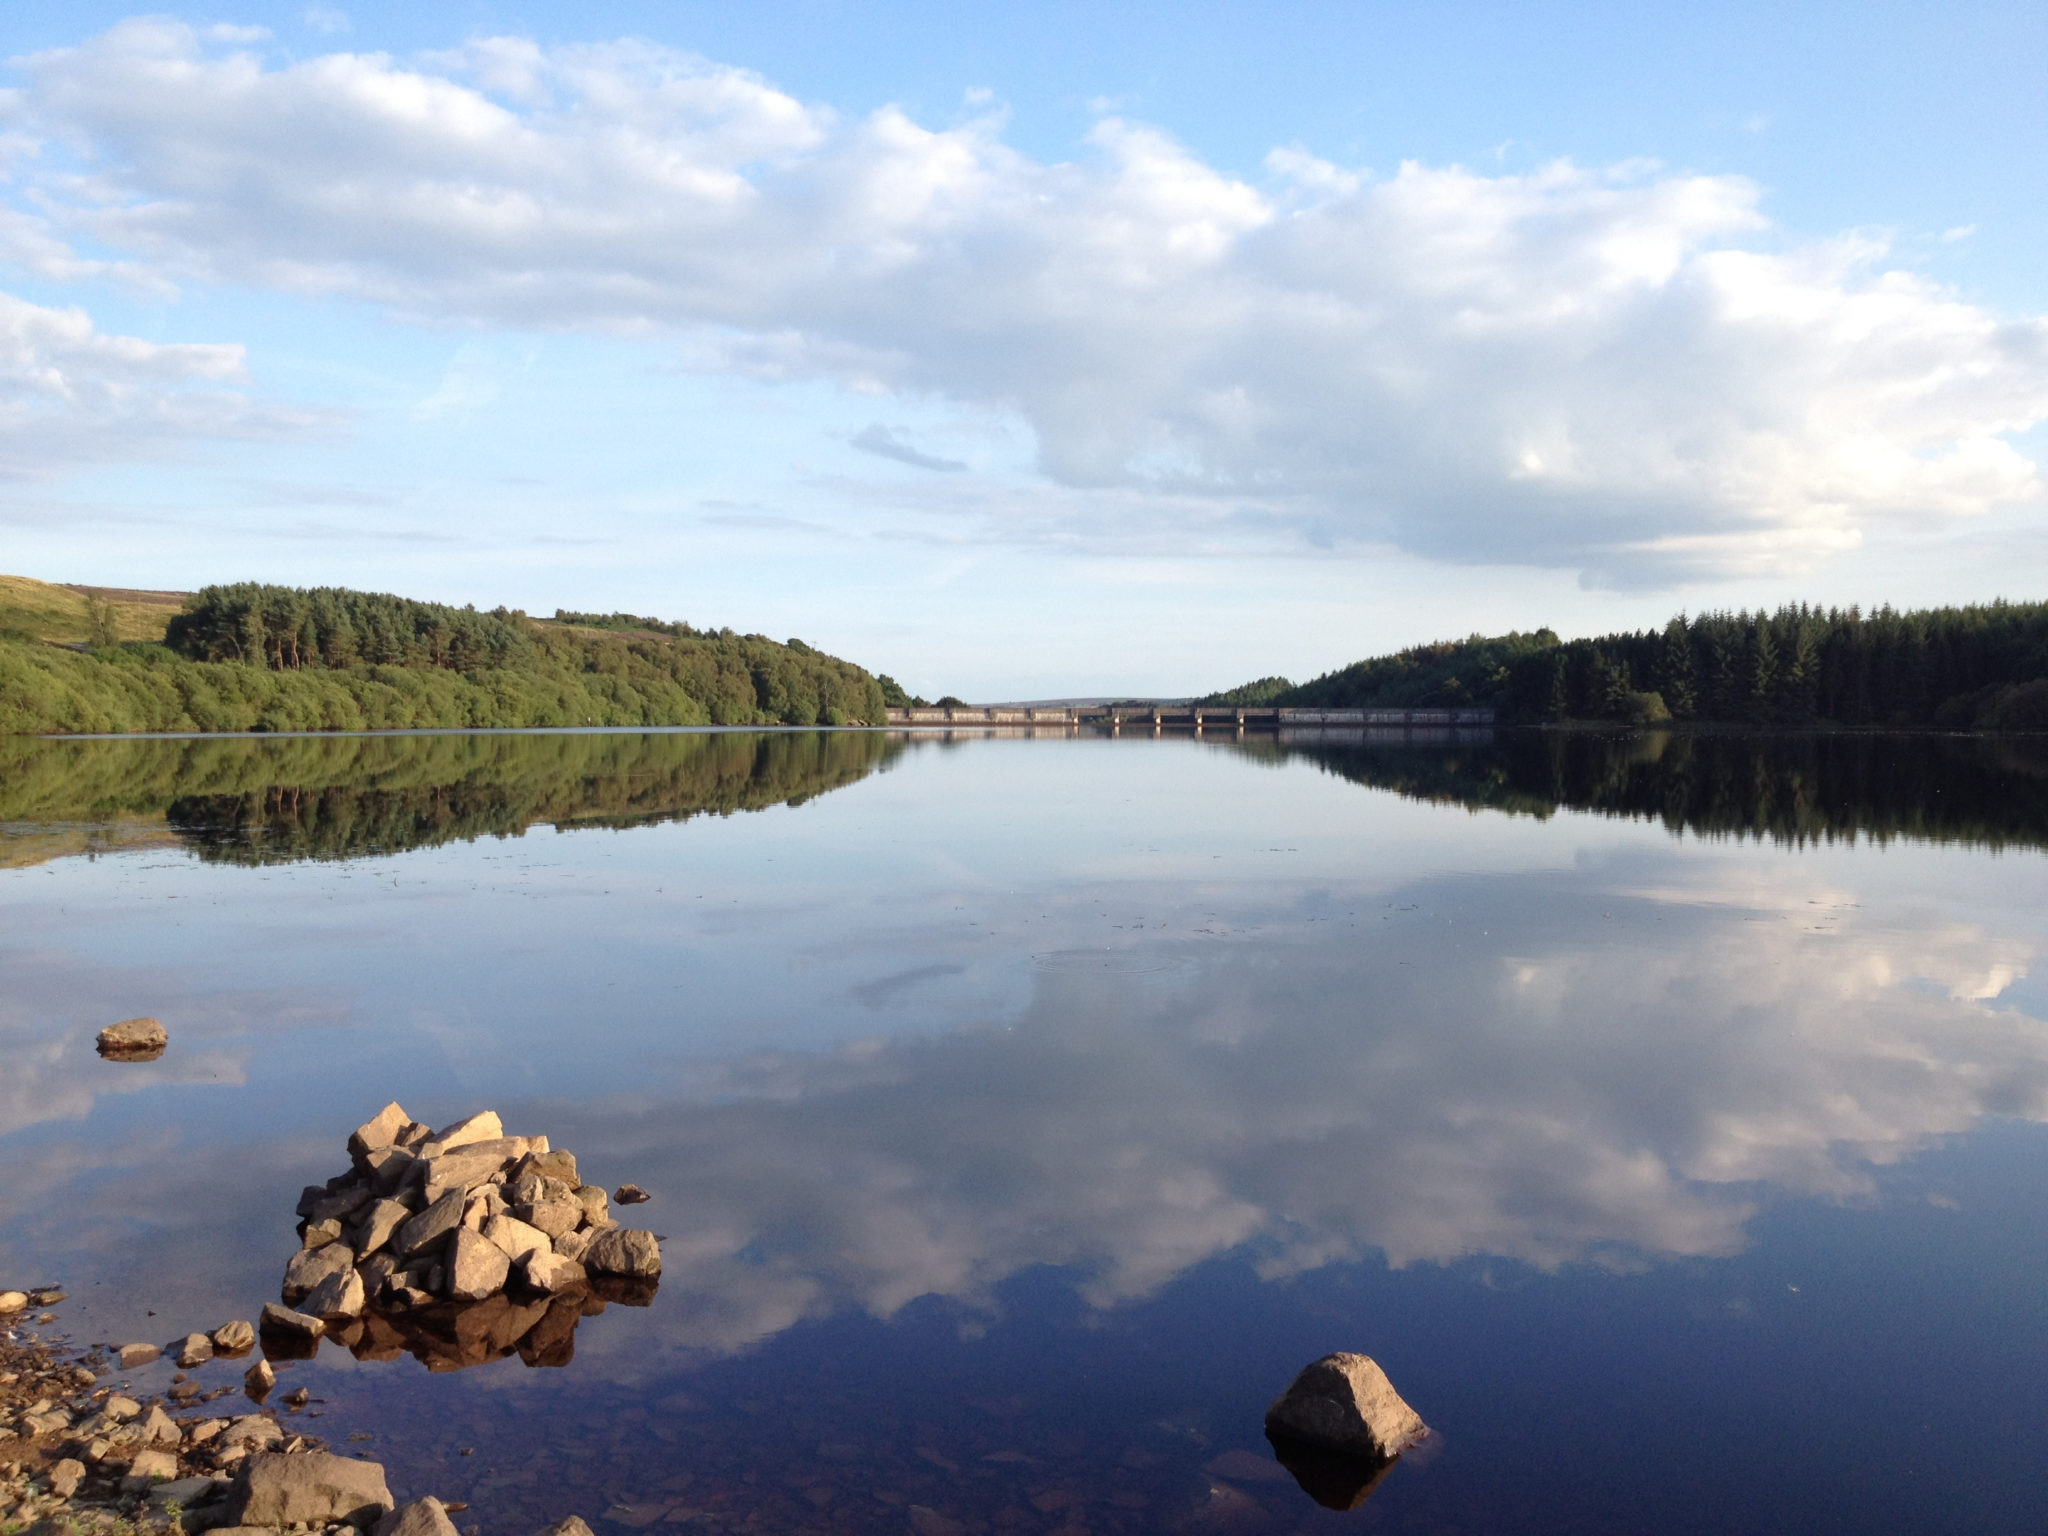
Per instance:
x=1665, y=1116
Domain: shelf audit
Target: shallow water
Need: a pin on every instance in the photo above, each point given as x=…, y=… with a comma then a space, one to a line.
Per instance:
x=1666, y=1116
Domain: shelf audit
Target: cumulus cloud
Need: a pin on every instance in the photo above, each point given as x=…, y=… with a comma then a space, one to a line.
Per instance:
x=1619, y=369
x=73, y=395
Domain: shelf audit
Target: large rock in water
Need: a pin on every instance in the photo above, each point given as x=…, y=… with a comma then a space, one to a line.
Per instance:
x=309, y=1266
x=624, y=1251
x=310, y=1488
x=133, y=1040
x=1344, y=1402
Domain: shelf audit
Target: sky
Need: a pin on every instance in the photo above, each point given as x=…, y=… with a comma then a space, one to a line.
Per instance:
x=1034, y=351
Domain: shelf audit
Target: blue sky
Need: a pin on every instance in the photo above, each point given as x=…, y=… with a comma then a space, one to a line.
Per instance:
x=1026, y=351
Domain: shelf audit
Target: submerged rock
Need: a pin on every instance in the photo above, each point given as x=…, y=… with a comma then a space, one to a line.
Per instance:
x=193, y=1349
x=631, y=1194
x=1344, y=1402
x=133, y=1040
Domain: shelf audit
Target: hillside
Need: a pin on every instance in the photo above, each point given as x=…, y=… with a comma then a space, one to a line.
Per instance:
x=66, y=615
x=254, y=657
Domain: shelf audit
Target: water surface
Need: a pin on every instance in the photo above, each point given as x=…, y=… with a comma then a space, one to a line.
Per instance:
x=1665, y=1114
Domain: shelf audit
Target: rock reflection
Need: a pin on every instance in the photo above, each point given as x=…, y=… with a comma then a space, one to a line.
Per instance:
x=452, y=1336
x=1332, y=1479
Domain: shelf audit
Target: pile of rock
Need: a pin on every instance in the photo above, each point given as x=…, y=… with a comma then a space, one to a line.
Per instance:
x=425, y=1220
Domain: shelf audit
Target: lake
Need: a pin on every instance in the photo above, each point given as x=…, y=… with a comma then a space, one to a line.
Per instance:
x=1665, y=1114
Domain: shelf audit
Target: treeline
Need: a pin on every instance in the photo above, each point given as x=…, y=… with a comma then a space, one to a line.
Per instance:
x=259, y=658
x=344, y=797
x=1788, y=789
x=1979, y=667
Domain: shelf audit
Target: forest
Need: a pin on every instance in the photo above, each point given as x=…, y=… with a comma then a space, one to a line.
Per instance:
x=254, y=657
x=1980, y=667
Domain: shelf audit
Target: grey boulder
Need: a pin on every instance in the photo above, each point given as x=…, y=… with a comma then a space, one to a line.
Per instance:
x=1344, y=1402
x=310, y=1266
x=624, y=1251
x=309, y=1488
x=477, y=1267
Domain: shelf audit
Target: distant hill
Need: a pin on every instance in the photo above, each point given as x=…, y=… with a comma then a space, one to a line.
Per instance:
x=1980, y=667
x=266, y=658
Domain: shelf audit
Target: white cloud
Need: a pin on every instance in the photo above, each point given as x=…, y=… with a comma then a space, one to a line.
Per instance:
x=72, y=395
x=1621, y=370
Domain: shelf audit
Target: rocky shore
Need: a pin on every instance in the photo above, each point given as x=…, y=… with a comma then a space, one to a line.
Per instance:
x=460, y=1246
x=78, y=1454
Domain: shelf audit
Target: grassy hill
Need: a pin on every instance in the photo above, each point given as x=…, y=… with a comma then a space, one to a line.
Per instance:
x=259, y=658
x=64, y=615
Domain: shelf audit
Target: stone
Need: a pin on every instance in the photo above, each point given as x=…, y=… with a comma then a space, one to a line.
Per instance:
x=235, y=1338
x=518, y=1240
x=159, y=1428
x=310, y=1266
x=337, y=1298
x=13, y=1301
x=573, y=1526
x=422, y=1517
x=319, y=1234
x=188, y=1492
x=253, y=1430
x=552, y=1274
x=625, y=1251
x=133, y=1355
x=376, y=1272
x=311, y=1488
x=285, y=1322
x=596, y=1204
x=554, y=1217
x=1344, y=1402
x=65, y=1477
x=631, y=1194
x=379, y=1133
x=460, y=1170
x=259, y=1379
x=379, y=1224
x=476, y=1267
x=121, y=1409
x=133, y=1040
x=390, y=1168
x=148, y=1468
x=570, y=1245
x=430, y=1227
x=193, y=1349
x=485, y=1126
x=560, y=1166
